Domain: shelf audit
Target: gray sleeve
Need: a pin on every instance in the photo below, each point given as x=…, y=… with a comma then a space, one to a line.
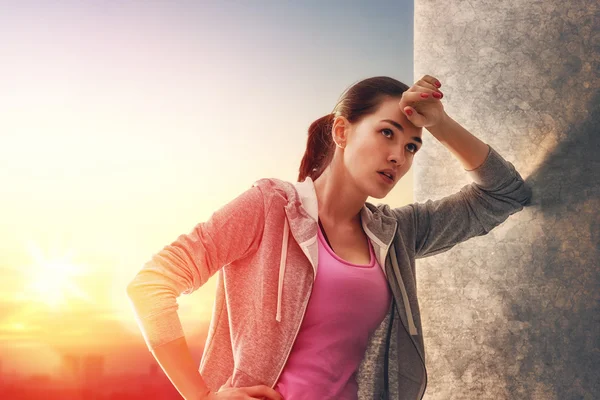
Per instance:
x=497, y=191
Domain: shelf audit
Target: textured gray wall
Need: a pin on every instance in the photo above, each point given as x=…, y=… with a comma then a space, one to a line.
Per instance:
x=514, y=314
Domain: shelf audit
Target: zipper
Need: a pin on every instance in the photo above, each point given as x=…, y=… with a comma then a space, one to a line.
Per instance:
x=385, y=376
x=295, y=335
x=423, y=386
x=387, y=354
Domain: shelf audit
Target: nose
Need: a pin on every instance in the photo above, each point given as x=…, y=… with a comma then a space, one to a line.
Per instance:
x=397, y=157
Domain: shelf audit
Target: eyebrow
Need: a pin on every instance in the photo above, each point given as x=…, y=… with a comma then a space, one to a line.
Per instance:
x=399, y=127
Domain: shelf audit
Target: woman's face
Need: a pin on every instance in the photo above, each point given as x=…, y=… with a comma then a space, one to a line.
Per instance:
x=374, y=144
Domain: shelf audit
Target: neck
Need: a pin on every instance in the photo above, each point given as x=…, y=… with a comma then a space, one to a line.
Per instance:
x=339, y=201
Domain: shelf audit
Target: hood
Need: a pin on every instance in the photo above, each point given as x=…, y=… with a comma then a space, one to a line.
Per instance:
x=302, y=207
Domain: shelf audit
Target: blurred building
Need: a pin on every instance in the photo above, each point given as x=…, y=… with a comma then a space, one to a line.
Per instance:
x=92, y=370
x=71, y=368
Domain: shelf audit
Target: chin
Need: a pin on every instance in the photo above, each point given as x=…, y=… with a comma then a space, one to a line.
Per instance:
x=374, y=189
x=379, y=193
x=379, y=197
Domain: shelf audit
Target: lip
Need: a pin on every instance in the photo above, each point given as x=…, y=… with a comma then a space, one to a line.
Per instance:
x=385, y=178
x=391, y=172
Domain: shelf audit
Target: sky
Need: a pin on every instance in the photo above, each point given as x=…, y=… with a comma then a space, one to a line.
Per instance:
x=123, y=124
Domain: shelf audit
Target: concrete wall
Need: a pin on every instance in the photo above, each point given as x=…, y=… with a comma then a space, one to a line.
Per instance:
x=514, y=314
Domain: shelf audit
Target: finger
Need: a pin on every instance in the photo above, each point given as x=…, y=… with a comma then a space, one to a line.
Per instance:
x=263, y=390
x=427, y=85
x=413, y=116
x=413, y=97
x=431, y=80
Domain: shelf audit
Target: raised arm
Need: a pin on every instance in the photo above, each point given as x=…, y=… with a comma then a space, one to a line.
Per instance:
x=498, y=189
x=497, y=192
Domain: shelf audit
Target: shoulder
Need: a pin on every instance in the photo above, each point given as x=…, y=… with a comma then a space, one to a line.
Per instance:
x=272, y=184
x=275, y=190
x=399, y=213
x=275, y=187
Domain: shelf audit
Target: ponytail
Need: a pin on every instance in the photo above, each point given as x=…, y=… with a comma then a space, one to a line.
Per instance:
x=319, y=148
x=359, y=100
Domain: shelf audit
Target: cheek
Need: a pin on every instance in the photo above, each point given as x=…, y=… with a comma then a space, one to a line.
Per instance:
x=368, y=149
x=359, y=162
x=365, y=157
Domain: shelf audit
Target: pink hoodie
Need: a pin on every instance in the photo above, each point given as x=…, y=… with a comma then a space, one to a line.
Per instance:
x=263, y=245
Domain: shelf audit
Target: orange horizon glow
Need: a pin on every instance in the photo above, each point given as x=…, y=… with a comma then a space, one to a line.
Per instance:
x=61, y=306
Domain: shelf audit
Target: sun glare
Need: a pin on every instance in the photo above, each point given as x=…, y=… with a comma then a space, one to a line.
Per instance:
x=52, y=281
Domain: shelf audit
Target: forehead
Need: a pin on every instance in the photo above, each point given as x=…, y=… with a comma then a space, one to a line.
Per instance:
x=390, y=109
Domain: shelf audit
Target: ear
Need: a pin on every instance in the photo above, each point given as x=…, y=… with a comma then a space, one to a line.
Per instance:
x=340, y=130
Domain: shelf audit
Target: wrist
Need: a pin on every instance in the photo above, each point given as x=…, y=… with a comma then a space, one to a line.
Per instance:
x=441, y=126
x=202, y=395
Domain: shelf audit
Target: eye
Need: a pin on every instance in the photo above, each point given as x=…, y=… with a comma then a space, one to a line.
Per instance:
x=415, y=147
x=388, y=130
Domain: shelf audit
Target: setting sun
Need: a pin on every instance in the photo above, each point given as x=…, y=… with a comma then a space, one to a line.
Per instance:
x=52, y=280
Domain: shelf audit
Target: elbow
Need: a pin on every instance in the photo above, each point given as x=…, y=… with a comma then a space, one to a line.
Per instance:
x=131, y=289
x=527, y=194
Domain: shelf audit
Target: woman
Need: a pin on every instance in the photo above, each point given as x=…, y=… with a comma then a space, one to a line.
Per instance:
x=316, y=295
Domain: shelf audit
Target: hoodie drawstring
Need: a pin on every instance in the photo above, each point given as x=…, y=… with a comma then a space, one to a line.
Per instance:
x=284, y=246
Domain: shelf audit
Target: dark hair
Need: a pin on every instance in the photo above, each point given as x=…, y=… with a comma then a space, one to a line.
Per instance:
x=356, y=102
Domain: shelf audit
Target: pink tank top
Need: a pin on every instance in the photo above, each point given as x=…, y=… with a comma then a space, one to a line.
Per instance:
x=347, y=303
